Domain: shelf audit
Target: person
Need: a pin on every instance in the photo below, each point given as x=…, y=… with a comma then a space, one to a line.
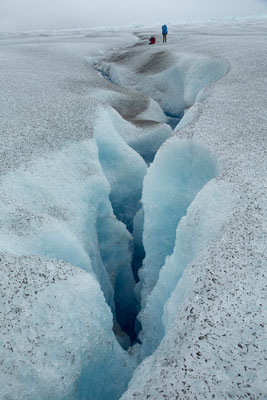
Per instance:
x=152, y=40
x=164, y=33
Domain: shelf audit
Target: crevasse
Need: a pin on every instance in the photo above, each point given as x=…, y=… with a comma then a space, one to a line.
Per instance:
x=98, y=207
x=178, y=173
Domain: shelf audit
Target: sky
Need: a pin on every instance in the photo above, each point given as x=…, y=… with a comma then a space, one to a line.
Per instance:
x=59, y=14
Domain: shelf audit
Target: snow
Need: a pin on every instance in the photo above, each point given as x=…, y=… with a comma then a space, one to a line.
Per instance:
x=94, y=180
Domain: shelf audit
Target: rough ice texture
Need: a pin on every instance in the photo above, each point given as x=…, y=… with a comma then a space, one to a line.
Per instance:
x=55, y=202
x=43, y=215
x=194, y=232
x=123, y=167
x=181, y=168
x=56, y=327
x=213, y=319
x=172, y=80
x=215, y=341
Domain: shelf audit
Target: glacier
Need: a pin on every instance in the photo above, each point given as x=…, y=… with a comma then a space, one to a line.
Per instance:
x=132, y=206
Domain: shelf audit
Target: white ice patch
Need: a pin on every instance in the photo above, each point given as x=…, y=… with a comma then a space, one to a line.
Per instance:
x=153, y=113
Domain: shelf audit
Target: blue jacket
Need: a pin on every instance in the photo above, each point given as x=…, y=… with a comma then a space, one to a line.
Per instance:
x=164, y=30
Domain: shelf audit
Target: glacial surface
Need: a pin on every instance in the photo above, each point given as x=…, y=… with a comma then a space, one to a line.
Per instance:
x=124, y=241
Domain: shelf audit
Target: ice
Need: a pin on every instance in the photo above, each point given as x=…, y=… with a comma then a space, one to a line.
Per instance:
x=144, y=133
x=194, y=232
x=200, y=226
x=55, y=204
x=75, y=151
x=61, y=222
x=77, y=226
x=179, y=171
x=147, y=133
x=153, y=112
x=203, y=321
x=123, y=167
x=188, y=117
x=148, y=144
x=43, y=215
x=174, y=88
x=56, y=329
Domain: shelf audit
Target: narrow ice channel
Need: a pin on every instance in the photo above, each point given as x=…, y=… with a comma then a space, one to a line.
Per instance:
x=121, y=224
x=178, y=171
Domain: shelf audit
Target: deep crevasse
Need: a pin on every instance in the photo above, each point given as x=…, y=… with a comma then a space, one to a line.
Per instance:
x=66, y=200
x=79, y=227
x=59, y=208
x=180, y=170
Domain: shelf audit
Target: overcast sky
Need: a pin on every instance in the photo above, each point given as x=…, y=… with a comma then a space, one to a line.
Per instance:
x=53, y=14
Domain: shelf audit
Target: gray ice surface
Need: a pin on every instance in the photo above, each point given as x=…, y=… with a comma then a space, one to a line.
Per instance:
x=216, y=340
x=51, y=97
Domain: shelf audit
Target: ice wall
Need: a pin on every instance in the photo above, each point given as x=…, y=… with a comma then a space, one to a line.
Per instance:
x=180, y=169
x=139, y=251
x=144, y=134
x=58, y=207
x=204, y=219
x=176, y=88
x=123, y=167
x=53, y=209
x=125, y=171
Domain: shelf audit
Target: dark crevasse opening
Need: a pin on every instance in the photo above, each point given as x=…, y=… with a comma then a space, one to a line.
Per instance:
x=138, y=257
x=125, y=171
x=139, y=251
x=174, y=119
x=126, y=312
x=126, y=306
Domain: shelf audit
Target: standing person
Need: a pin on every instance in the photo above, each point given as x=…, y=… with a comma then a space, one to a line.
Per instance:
x=164, y=33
